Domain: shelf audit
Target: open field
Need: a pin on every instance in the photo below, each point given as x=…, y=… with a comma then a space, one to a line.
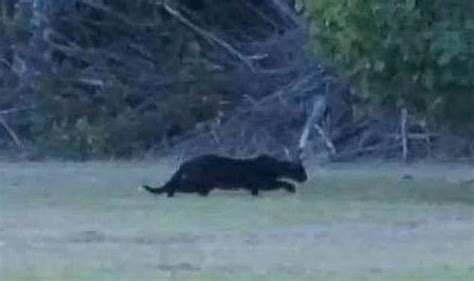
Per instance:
x=89, y=221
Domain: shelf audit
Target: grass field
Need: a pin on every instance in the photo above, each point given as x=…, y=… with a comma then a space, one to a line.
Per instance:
x=89, y=221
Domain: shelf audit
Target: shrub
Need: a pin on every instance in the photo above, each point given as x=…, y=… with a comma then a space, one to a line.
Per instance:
x=419, y=52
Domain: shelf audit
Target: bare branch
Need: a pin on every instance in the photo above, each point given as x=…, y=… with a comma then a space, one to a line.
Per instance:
x=319, y=107
x=293, y=87
x=374, y=148
x=209, y=36
x=15, y=110
x=327, y=141
x=403, y=133
x=5, y=62
x=119, y=16
x=262, y=15
x=286, y=11
x=12, y=133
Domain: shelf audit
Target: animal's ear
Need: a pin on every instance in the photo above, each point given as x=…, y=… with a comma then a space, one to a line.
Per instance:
x=287, y=154
x=300, y=156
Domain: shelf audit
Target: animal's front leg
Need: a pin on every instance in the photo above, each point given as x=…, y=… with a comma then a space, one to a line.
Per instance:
x=204, y=191
x=254, y=190
x=252, y=184
x=170, y=192
x=287, y=186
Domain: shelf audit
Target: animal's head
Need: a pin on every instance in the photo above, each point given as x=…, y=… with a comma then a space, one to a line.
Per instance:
x=290, y=169
x=294, y=168
x=295, y=171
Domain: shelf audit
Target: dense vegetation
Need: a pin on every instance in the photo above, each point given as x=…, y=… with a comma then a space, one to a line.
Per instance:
x=112, y=78
x=82, y=79
x=415, y=53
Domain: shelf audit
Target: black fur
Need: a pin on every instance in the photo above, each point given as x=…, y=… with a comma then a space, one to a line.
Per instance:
x=205, y=173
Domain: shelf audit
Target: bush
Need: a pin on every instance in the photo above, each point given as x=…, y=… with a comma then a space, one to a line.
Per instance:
x=417, y=52
x=124, y=88
x=115, y=121
x=111, y=78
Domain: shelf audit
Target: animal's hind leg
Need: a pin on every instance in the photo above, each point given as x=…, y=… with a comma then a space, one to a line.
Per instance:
x=204, y=191
x=170, y=192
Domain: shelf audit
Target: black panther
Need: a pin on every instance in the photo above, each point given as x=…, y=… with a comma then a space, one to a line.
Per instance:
x=207, y=172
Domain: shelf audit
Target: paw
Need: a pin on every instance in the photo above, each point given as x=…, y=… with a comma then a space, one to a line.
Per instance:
x=204, y=193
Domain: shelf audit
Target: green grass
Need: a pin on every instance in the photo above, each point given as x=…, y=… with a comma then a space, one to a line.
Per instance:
x=65, y=221
x=196, y=277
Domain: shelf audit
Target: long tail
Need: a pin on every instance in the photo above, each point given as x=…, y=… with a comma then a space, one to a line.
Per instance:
x=155, y=190
x=166, y=188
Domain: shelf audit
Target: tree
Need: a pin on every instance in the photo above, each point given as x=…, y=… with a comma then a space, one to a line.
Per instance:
x=418, y=52
x=112, y=78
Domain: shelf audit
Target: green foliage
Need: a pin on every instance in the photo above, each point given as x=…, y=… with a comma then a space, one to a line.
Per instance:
x=115, y=77
x=420, y=52
x=152, y=82
x=114, y=122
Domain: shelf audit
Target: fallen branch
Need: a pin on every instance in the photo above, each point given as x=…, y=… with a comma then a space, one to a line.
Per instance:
x=366, y=150
x=262, y=15
x=403, y=133
x=6, y=63
x=330, y=146
x=319, y=107
x=15, y=110
x=11, y=133
x=293, y=88
x=278, y=94
x=209, y=36
x=285, y=10
x=119, y=16
x=415, y=136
